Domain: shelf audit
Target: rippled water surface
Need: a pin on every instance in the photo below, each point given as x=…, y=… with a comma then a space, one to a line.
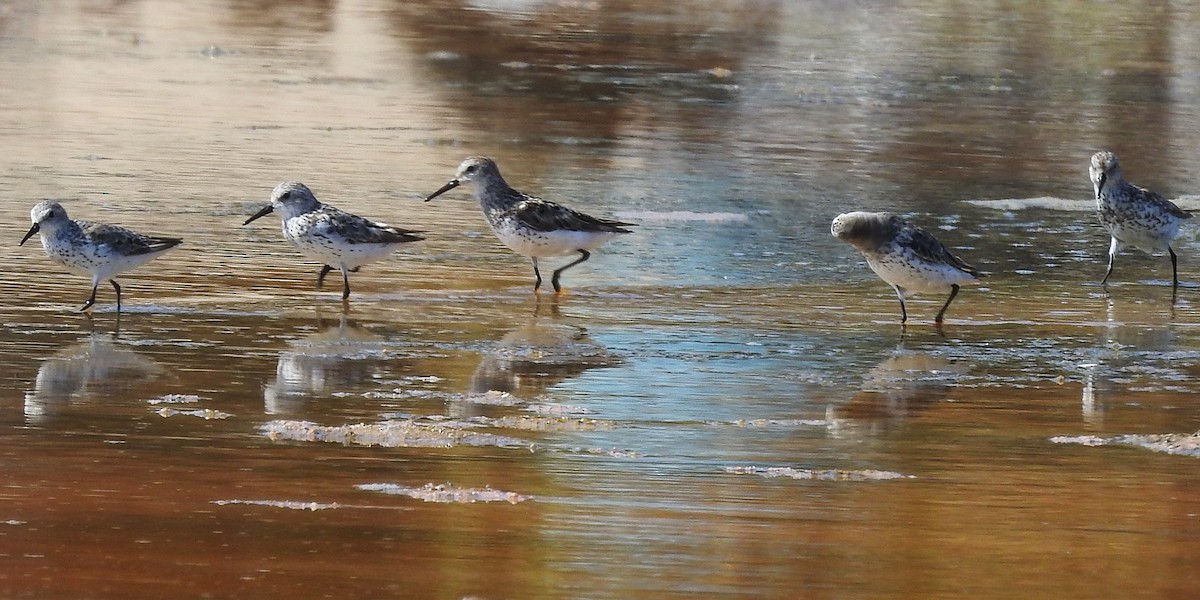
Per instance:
x=723, y=405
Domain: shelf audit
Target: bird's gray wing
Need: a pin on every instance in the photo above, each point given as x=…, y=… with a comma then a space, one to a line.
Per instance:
x=1166, y=205
x=125, y=241
x=928, y=247
x=360, y=230
x=541, y=215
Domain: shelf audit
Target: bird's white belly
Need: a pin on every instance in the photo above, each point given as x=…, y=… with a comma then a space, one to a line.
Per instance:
x=337, y=253
x=917, y=277
x=89, y=260
x=1149, y=240
x=551, y=243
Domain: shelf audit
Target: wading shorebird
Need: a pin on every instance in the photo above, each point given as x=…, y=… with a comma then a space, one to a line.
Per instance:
x=333, y=237
x=530, y=226
x=1132, y=215
x=907, y=257
x=91, y=249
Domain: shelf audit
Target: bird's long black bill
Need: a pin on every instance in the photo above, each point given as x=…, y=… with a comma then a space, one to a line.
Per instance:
x=265, y=211
x=453, y=183
x=32, y=230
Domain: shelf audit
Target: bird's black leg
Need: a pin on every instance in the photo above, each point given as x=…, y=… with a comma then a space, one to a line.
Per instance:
x=1174, y=268
x=1112, y=255
x=554, y=280
x=903, y=311
x=942, y=313
x=345, y=283
x=325, y=269
x=90, y=301
x=537, y=284
x=118, y=288
x=1109, y=271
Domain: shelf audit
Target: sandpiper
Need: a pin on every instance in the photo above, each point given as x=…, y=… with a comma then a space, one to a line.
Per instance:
x=907, y=257
x=530, y=226
x=1134, y=216
x=333, y=237
x=91, y=249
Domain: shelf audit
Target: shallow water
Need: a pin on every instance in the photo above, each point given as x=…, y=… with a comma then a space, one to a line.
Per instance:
x=723, y=405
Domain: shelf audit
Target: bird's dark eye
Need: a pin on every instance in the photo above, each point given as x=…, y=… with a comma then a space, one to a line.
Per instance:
x=285, y=196
x=470, y=169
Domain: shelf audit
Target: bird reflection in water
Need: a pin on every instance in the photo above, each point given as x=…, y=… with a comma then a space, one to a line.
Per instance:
x=904, y=384
x=1132, y=342
x=1093, y=412
x=528, y=360
x=94, y=368
x=338, y=356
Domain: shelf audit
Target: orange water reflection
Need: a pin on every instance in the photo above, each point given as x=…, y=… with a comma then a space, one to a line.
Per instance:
x=709, y=410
